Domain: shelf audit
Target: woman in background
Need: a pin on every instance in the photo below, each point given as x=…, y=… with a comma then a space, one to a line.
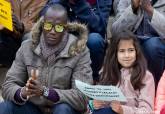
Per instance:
x=160, y=96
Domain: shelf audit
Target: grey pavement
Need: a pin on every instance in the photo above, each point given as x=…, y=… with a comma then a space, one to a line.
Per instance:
x=3, y=71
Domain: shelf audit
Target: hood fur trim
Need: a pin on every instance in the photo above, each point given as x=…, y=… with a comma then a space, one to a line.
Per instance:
x=75, y=28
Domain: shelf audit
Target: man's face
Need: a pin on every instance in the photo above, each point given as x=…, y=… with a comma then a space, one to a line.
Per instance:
x=53, y=26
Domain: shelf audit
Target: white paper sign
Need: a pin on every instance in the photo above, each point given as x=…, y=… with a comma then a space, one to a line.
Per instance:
x=100, y=92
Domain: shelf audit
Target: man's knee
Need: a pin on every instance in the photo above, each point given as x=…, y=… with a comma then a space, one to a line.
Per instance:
x=95, y=40
x=104, y=111
x=153, y=46
x=63, y=108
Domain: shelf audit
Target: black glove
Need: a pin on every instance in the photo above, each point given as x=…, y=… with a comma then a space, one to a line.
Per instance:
x=17, y=25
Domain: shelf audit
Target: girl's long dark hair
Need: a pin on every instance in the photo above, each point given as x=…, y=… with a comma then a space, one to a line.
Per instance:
x=111, y=74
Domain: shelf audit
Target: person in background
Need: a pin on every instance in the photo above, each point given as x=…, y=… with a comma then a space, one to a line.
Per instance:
x=42, y=77
x=95, y=14
x=25, y=13
x=160, y=96
x=146, y=18
x=10, y=41
x=126, y=68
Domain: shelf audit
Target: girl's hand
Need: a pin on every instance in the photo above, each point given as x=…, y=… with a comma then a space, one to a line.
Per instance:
x=97, y=104
x=116, y=107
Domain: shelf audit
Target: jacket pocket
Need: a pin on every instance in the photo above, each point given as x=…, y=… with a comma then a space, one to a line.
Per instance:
x=62, y=76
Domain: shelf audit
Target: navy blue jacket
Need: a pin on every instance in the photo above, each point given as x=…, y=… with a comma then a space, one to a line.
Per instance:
x=95, y=16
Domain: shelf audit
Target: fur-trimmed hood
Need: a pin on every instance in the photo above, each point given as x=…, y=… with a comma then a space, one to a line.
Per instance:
x=78, y=30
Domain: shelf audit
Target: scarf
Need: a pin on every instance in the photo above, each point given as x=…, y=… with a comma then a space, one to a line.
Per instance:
x=49, y=53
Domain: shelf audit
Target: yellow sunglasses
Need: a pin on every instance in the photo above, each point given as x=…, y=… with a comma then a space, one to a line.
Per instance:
x=57, y=28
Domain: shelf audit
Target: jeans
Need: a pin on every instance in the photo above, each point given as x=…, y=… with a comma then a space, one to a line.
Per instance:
x=29, y=108
x=104, y=111
x=154, y=51
x=96, y=45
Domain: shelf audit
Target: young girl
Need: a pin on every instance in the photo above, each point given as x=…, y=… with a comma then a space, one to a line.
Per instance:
x=125, y=67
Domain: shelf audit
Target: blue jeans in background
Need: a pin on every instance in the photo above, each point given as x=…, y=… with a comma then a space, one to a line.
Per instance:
x=29, y=108
x=154, y=51
x=104, y=111
x=96, y=45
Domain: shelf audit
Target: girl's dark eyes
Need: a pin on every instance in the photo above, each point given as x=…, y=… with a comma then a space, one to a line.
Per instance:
x=131, y=49
x=123, y=50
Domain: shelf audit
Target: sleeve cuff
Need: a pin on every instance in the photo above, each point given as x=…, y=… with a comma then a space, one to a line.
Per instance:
x=53, y=95
x=18, y=98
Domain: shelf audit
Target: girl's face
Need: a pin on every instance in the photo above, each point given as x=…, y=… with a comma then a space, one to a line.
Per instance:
x=126, y=53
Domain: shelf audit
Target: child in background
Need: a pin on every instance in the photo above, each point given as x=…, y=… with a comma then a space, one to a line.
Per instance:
x=126, y=68
x=160, y=96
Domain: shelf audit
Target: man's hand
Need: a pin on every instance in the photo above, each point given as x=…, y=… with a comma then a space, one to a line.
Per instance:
x=34, y=87
x=146, y=5
x=25, y=93
x=116, y=107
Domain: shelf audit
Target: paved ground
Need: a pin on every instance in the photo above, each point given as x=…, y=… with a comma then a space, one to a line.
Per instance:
x=1, y=99
x=2, y=76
